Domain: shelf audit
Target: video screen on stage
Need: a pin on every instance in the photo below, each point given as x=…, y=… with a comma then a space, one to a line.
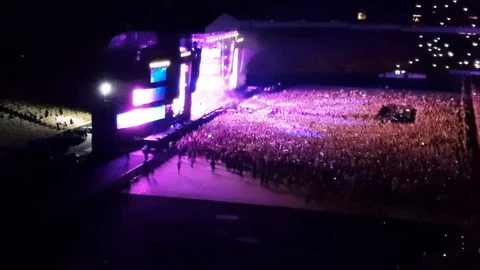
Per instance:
x=146, y=96
x=158, y=74
x=178, y=105
x=219, y=73
x=140, y=116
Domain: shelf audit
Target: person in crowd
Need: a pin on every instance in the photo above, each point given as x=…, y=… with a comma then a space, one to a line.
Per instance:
x=146, y=150
x=151, y=169
x=146, y=170
x=192, y=161
x=212, y=164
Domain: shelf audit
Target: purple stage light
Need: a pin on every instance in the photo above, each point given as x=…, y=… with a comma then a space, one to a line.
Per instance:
x=179, y=103
x=213, y=37
x=134, y=39
x=142, y=96
x=139, y=117
x=234, y=72
x=146, y=96
x=219, y=71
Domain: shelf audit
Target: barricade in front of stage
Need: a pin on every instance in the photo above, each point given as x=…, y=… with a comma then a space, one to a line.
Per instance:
x=163, y=155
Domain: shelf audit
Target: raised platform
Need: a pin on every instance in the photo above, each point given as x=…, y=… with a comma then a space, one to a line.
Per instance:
x=159, y=136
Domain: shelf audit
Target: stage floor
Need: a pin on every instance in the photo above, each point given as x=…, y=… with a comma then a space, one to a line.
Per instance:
x=201, y=183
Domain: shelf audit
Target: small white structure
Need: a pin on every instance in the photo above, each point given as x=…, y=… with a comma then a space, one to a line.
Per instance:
x=224, y=23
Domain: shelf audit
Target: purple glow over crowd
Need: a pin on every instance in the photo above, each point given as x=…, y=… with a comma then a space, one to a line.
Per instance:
x=330, y=142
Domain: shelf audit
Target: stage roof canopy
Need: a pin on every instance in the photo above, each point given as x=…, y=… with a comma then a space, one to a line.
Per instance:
x=133, y=40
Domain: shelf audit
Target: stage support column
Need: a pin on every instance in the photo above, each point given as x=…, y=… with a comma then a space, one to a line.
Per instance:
x=104, y=124
x=196, y=58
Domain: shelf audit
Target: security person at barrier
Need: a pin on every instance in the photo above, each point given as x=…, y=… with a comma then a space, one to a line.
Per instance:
x=212, y=164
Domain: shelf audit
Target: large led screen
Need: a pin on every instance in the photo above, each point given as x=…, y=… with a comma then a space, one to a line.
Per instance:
x=178, y=105
x=158, y=74
x=146, y=96
x=139, y=117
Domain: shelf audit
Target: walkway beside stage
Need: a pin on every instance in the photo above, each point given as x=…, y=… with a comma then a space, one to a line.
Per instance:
x=120, y=171
x=109, y=173
x=201, y=183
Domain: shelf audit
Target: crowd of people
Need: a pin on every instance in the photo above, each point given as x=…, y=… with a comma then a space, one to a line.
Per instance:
x=331, y=144
x=50, y=116
x=21, y=123
x=16, y=132
x=476, y=107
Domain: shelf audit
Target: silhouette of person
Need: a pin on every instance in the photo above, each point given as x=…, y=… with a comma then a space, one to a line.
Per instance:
x=212, y=165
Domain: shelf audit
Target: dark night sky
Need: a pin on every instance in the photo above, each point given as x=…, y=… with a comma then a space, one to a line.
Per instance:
x=76, y=21
x=63, y=34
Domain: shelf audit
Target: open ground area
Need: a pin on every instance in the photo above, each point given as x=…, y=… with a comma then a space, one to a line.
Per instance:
x=199, y=182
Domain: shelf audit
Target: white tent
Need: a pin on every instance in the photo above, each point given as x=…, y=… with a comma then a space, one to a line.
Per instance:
x=224, y=23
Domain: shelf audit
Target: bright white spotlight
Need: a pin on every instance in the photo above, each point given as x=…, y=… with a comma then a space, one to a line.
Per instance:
x=105, y=88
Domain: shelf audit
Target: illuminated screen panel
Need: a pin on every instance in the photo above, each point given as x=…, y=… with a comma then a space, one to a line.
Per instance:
x=211, y=64
x=158, y=74
x=146, y=96
x=139, y=117
x=178, y=105
x=234, y=74
x=219, y=73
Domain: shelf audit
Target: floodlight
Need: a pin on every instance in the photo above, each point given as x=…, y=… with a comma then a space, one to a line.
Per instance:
x=105, y=88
